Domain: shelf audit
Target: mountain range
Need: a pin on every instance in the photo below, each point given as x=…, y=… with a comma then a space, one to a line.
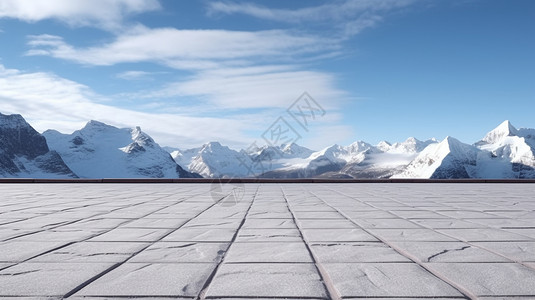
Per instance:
x=99, y=150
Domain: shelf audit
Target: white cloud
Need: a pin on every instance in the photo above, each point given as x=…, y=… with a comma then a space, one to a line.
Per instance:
x=353, y=15
x=186, y=49
x=257, y=87
x=107, y=14
x=48, y=101
x=51, y=102
x=135, y=75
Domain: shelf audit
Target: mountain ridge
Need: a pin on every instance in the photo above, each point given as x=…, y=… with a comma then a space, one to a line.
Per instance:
x=99, y=150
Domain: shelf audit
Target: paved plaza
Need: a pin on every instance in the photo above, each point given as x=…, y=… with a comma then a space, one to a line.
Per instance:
x=267, y=241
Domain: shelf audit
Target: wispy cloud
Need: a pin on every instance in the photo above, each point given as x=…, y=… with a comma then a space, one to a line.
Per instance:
x=185, y=49
x=106, y=14
x=49, y=101
x=352, y=16
x=243, y=88
x=136, y=75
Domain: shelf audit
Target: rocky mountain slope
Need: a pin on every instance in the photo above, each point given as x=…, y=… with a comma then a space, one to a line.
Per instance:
x=25, y=153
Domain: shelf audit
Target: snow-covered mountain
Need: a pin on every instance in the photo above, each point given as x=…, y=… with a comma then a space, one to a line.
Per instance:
x=510, y=153
x=386, y=159
x=284, y=151
x=447, y=159
x=213, y=160
x=358, y=160
x=103, y=151
x=25, y=153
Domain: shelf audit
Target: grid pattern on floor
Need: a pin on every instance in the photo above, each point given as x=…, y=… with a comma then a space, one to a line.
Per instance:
x=267, y=241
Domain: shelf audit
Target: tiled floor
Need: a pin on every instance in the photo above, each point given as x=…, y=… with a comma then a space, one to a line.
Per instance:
x=278, y=241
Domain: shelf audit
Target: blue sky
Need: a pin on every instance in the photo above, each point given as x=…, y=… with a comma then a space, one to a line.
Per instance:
x=189, y=72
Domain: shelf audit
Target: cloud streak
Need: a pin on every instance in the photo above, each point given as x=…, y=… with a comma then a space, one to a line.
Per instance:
x=106, y=14
x=353, y=15
x=49, y=101
x=185, y=49
x=246, y=88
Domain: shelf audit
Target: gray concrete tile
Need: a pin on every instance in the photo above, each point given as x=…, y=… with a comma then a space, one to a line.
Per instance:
x=387, y=280
x=41, y=279
x=447, y=223
x=287, y=252
x=338, y=235
x=148, y=223
x=269, y=251
x=386, y=223
x=363, y=252
x=200, y=235
x=411, y=235
x=447, y=252
x=151, y=279
x=131, y=235
x=490, y=279
x=483, y=235
x=265, y=280
x=517, y=251
x=269, y=235
x=92, y=252
x=269, y=223
x=19, y=251
x=184, y=252
x=202, y=223
x=324, y=224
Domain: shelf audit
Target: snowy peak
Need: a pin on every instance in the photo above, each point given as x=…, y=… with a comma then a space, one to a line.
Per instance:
x=97, y=126
x=214, y=160
x=384, y=146
x=25, y=153
x=503, y=130
x=512, y=152
x=358, y=147
x=102, y=151
x=447, y=159
x=410, y=146
x=293, y=150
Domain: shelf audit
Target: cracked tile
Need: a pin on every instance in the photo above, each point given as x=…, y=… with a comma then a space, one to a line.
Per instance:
x=448, y=252
x=269, y=235
x=185, y=252
x=214, y=223
x=410, y=235
x=269, y=223
x=131, y=235
x=386, y=223
x=338, y=235
x=92, y=252
x=200, y=235
x=356, y=252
